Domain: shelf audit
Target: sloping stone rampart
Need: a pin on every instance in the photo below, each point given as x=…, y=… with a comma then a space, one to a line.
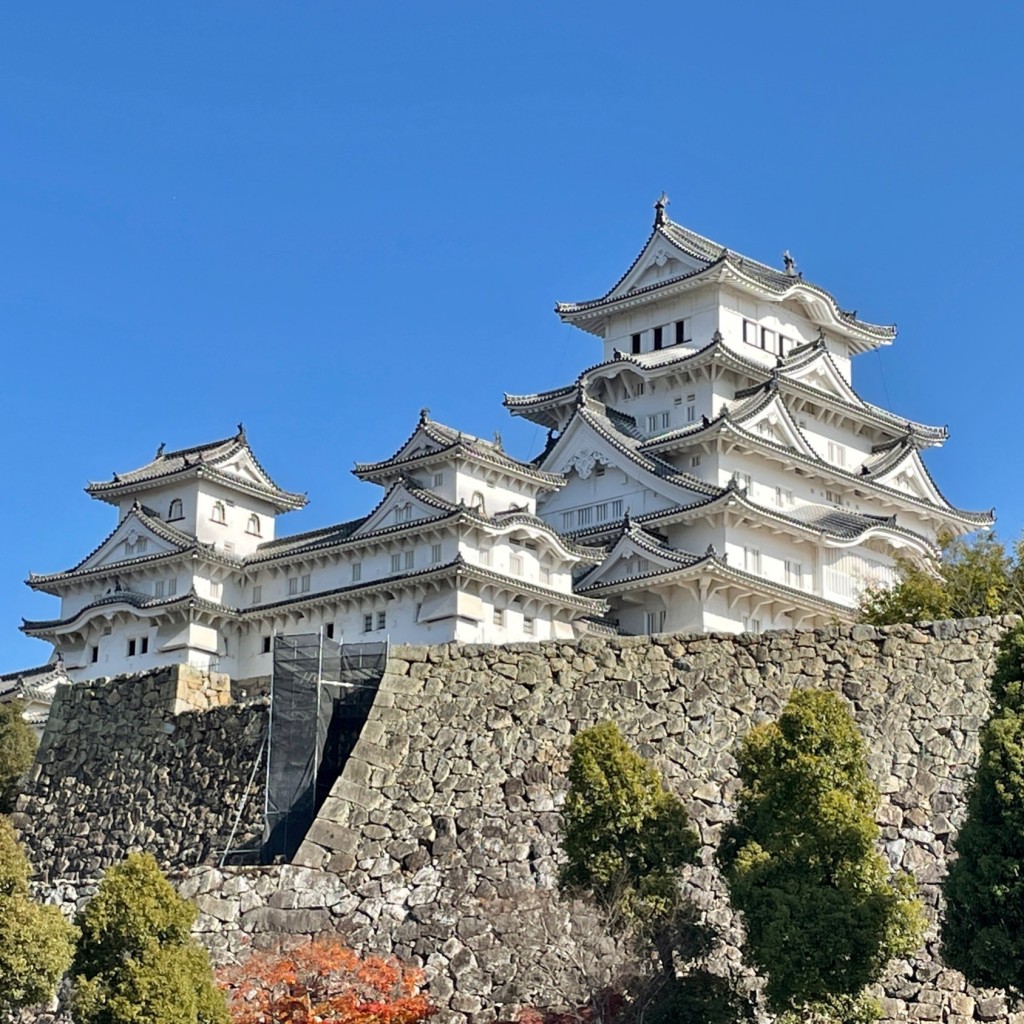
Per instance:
x=440, y=838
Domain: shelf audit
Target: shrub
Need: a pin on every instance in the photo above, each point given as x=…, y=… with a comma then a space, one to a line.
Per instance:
x=136, y=961
x=325, y=983
x=983, y=926
x=36, y=943
x=17, y=751
x=823, y=916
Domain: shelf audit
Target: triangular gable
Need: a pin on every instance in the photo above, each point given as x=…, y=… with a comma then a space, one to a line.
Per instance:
x=124, y=544
x=580, y=450
x=822, y=374
x=910, y=476
x=774, y=423
x=243, y=466
x=399, y=506
x=630, y=557
x=421, y=443
x=660, y=260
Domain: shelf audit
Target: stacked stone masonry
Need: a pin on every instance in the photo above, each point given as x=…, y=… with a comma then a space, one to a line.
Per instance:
x=439, y=841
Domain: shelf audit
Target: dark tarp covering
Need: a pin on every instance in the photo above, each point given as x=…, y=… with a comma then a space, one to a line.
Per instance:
x=320, y=695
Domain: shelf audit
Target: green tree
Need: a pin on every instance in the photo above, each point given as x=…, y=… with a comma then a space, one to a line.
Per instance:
x=973, y=577
x=136, y=961
x=823, y=915
x=625, y=838
x=983, y=927
x=36, y=943
x=17, y=751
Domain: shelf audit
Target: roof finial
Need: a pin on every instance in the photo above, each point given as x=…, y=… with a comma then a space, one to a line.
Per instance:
x=659, y=210
x=424, y=414
x=160, y=449
x=241, y=432
x=717, y=336
x=789, y=263
x=497, y=441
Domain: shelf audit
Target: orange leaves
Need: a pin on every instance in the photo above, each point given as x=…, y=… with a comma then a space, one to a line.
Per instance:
x=324, y=983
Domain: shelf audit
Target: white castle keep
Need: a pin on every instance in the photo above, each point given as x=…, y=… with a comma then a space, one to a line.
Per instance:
x=715, y=471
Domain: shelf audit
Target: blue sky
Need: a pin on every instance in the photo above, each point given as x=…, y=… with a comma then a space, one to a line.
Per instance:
x=319, y=217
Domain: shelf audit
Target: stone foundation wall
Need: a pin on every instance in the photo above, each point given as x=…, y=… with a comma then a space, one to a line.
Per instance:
x=155, y=763
x=439, y=841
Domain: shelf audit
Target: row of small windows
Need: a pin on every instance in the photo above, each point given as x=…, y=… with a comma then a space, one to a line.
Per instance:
x=767, y=339
x=219, y=514
x=590, y=515
x=678, y=332
x=793, y=571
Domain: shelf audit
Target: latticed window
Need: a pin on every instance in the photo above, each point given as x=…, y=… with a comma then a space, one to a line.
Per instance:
x=219, y=514
x=176, y=511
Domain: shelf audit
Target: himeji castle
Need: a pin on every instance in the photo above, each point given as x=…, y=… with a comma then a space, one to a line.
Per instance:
x=716, y=470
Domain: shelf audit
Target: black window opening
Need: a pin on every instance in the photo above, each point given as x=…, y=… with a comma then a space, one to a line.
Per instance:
x=636, y=343
x=657, y=337
x=681, y=338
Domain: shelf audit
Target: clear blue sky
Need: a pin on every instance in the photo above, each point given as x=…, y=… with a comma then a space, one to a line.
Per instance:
x=318, y=217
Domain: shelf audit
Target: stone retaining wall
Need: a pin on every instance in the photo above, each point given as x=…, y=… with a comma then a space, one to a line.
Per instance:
x=440, y=839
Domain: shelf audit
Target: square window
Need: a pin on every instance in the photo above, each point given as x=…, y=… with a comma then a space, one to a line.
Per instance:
x=357, y=571
x=266, y=641
x=382, y=619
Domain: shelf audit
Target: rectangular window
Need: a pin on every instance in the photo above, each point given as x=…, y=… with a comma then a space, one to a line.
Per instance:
x=794, y=574
x=836, y=454
x=834, y=497
x=584, y=516
x=266, y=642
x=144, y=645
x=545, y=576
x=617, y=508
x=293, y=585
x=657, y=337
x=172, y=586
x=694, y=461
x=382, y=620
x=485, y=556
x=528, y=626
x=639, y=389
x=131, y=648
x=681, y=337
x=652, y=423
x=752, y=560
x=158, y=588
x=742, y=480
x=438, y=479
x=655, y=622
x=305, y=583
x=515, y=565
x=435, y=553
x=94, y=654
x=767, y=340
x=368, y=623
x=396, y=562
x=784, y=344
x=751, y=625
x=357, y=571
x=783, y=497
x=750, y=332
x=410, y=559
x=643, y=565
x=216, y=590
x=257, y=593
x=599, y=469
x=403, y=514
x=636, y=344
x=601, y=512
x=568, y=521
x=329, y=630
x=499, y=617
x=691, y=408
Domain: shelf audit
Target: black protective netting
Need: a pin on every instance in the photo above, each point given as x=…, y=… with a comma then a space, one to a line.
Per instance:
x=321, y=692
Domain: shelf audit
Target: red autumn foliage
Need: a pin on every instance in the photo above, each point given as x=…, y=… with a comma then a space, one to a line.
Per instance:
x=324, y=983
x=607, y=1008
